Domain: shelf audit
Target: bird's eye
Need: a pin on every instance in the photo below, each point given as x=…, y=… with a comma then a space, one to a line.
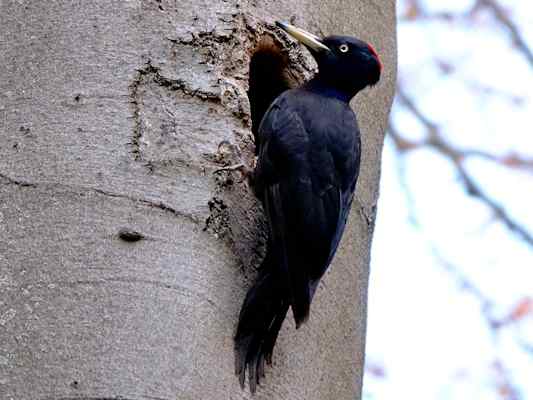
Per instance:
x=343, y=48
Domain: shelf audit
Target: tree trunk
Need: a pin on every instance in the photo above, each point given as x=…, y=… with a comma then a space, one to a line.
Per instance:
x=123, y=259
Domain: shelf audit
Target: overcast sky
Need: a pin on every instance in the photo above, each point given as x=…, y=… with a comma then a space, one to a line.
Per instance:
x=425, y=330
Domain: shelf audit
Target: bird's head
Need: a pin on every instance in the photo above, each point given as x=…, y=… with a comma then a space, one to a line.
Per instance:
x=344, y=63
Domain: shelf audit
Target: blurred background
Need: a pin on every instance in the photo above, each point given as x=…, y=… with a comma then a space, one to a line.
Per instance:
x=451, y=286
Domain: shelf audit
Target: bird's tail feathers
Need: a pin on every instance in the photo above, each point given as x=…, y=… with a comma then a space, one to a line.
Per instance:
x=262, y=314
x=300, y=309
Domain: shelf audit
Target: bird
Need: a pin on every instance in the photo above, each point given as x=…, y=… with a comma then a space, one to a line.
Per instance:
x=308, y=150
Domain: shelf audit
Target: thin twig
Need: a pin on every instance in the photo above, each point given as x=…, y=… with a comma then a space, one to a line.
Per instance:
x=436, y=140
x=503, y=18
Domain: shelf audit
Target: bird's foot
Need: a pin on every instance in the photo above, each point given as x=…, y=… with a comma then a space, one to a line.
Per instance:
x=246, y=172
x=241, y=167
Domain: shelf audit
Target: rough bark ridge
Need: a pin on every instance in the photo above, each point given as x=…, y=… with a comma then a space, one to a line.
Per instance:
x=123, y=259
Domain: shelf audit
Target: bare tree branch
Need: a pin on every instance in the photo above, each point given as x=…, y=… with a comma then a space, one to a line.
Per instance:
x=503, y=18
x=487, y=305
x=399, y=146
x=506, y=389
x=456, y=156
x=415, y=11
x=436, y=139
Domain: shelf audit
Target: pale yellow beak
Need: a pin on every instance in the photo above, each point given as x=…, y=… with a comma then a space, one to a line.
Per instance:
x=308, y=39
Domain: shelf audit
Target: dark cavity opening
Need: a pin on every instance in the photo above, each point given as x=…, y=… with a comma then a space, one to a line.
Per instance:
x=268, y=78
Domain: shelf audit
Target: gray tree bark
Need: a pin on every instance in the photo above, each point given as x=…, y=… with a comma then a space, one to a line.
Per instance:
x=123, y=259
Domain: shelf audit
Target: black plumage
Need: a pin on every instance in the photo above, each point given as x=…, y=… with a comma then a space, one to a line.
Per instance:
x=309, y=149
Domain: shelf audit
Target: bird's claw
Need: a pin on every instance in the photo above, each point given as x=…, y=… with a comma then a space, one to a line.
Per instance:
x=245, y=171
x=237, y=167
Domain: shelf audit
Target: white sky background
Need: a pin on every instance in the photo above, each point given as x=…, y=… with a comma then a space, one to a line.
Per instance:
x=427, y=332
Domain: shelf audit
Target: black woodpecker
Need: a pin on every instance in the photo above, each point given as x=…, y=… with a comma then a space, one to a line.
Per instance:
x=309, y=150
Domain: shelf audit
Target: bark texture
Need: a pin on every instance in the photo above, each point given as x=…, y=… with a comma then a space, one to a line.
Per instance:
x=123, y=259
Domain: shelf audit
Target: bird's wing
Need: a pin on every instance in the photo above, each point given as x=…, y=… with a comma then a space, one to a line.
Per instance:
x=303, y=205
